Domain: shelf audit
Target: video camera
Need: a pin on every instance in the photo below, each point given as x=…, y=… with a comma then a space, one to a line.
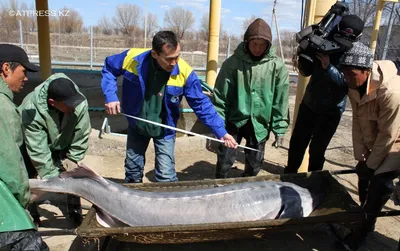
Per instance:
x=316, y=38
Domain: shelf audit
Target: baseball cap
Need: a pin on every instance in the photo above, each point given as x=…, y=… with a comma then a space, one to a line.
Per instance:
x=63, y=89
x=350, y=29
x=12, y=53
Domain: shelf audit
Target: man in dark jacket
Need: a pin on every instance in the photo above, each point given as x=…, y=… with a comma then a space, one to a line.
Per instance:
x=251, y=94
x=323, y=104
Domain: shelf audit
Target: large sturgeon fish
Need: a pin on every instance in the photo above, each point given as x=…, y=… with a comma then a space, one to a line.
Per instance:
x=248, y=201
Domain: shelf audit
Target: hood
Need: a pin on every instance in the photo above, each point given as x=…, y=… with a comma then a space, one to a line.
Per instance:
x=241, y=53
x=258, y=29
x=382, y=72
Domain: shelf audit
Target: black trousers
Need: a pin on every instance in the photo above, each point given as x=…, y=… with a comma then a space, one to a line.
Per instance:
x=314, y=127
x=374, y=194
x=227, y=156
x=27, y=240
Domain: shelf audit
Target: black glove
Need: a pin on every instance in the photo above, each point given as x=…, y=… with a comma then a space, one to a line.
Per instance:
x=278, y=141
x=363, y=171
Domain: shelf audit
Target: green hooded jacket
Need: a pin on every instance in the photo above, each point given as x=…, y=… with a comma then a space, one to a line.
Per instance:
x=256, y=90
x=12, y=167
x=14, y=184
x=43, y=133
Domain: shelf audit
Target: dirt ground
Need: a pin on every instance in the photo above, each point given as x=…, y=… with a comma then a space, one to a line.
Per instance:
x=196, y=161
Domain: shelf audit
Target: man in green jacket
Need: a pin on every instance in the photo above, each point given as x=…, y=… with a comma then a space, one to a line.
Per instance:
x=17, y=231
x=251, y=94
x=56, y=125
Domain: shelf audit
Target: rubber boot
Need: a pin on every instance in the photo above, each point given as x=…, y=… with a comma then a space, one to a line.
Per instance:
x=74, y=209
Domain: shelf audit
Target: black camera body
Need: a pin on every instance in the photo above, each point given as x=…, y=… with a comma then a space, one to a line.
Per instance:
x=318, y=38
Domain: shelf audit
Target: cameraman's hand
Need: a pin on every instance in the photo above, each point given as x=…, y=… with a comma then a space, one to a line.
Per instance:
x=325, y=60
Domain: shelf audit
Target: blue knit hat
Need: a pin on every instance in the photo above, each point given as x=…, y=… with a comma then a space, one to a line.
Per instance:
x=358, y=56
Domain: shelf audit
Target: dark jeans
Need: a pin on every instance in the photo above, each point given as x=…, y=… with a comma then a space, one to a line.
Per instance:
x=227, y=156
x=135, y=160
x=317, y=128
x=27, y=240
x=373, y=196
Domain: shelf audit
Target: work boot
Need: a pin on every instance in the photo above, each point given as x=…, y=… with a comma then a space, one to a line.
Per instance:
x=34, y=213
x=76, y=216
x=36, y=221
x=354, y=240
x=74, y=209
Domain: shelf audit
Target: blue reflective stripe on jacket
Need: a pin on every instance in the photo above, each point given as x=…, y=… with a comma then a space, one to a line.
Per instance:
x=133, y=66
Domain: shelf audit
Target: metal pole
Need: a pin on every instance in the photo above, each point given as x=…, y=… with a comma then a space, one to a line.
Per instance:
x=44, y=39
x=145, y=27
x=21, y=35
x=303, y=81
x=213, y=42
x=377, y=23
x=389, y=31
x=184, y=131
x=229, y=45
x=91, y=47
x=278, y=33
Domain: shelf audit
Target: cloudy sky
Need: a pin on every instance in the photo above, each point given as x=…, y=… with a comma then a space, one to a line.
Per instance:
x=232, y=14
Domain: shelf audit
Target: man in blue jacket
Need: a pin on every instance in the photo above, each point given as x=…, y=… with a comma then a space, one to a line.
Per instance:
x=155, y=81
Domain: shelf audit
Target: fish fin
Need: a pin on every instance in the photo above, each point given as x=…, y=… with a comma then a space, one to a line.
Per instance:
x=83, y=171
x=107, y=220
x=35, y=195
x=281, y=210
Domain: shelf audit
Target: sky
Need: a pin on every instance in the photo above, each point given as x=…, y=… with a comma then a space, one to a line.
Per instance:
x=233, y=12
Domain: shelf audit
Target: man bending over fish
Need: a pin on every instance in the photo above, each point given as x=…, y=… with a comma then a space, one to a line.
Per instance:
x=56, y=124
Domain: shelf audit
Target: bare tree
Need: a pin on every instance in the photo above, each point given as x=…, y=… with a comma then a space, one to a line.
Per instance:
x=29, y=22
x=105, y=26
x=71, y=22
x=205, y=26
x=9, y=23
x=127, y=18
x=179, y=20
x=248, y=21
x=288, y=39
x=152, y=24
x=54, y=24
x=204, y=31
x=365, y=9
